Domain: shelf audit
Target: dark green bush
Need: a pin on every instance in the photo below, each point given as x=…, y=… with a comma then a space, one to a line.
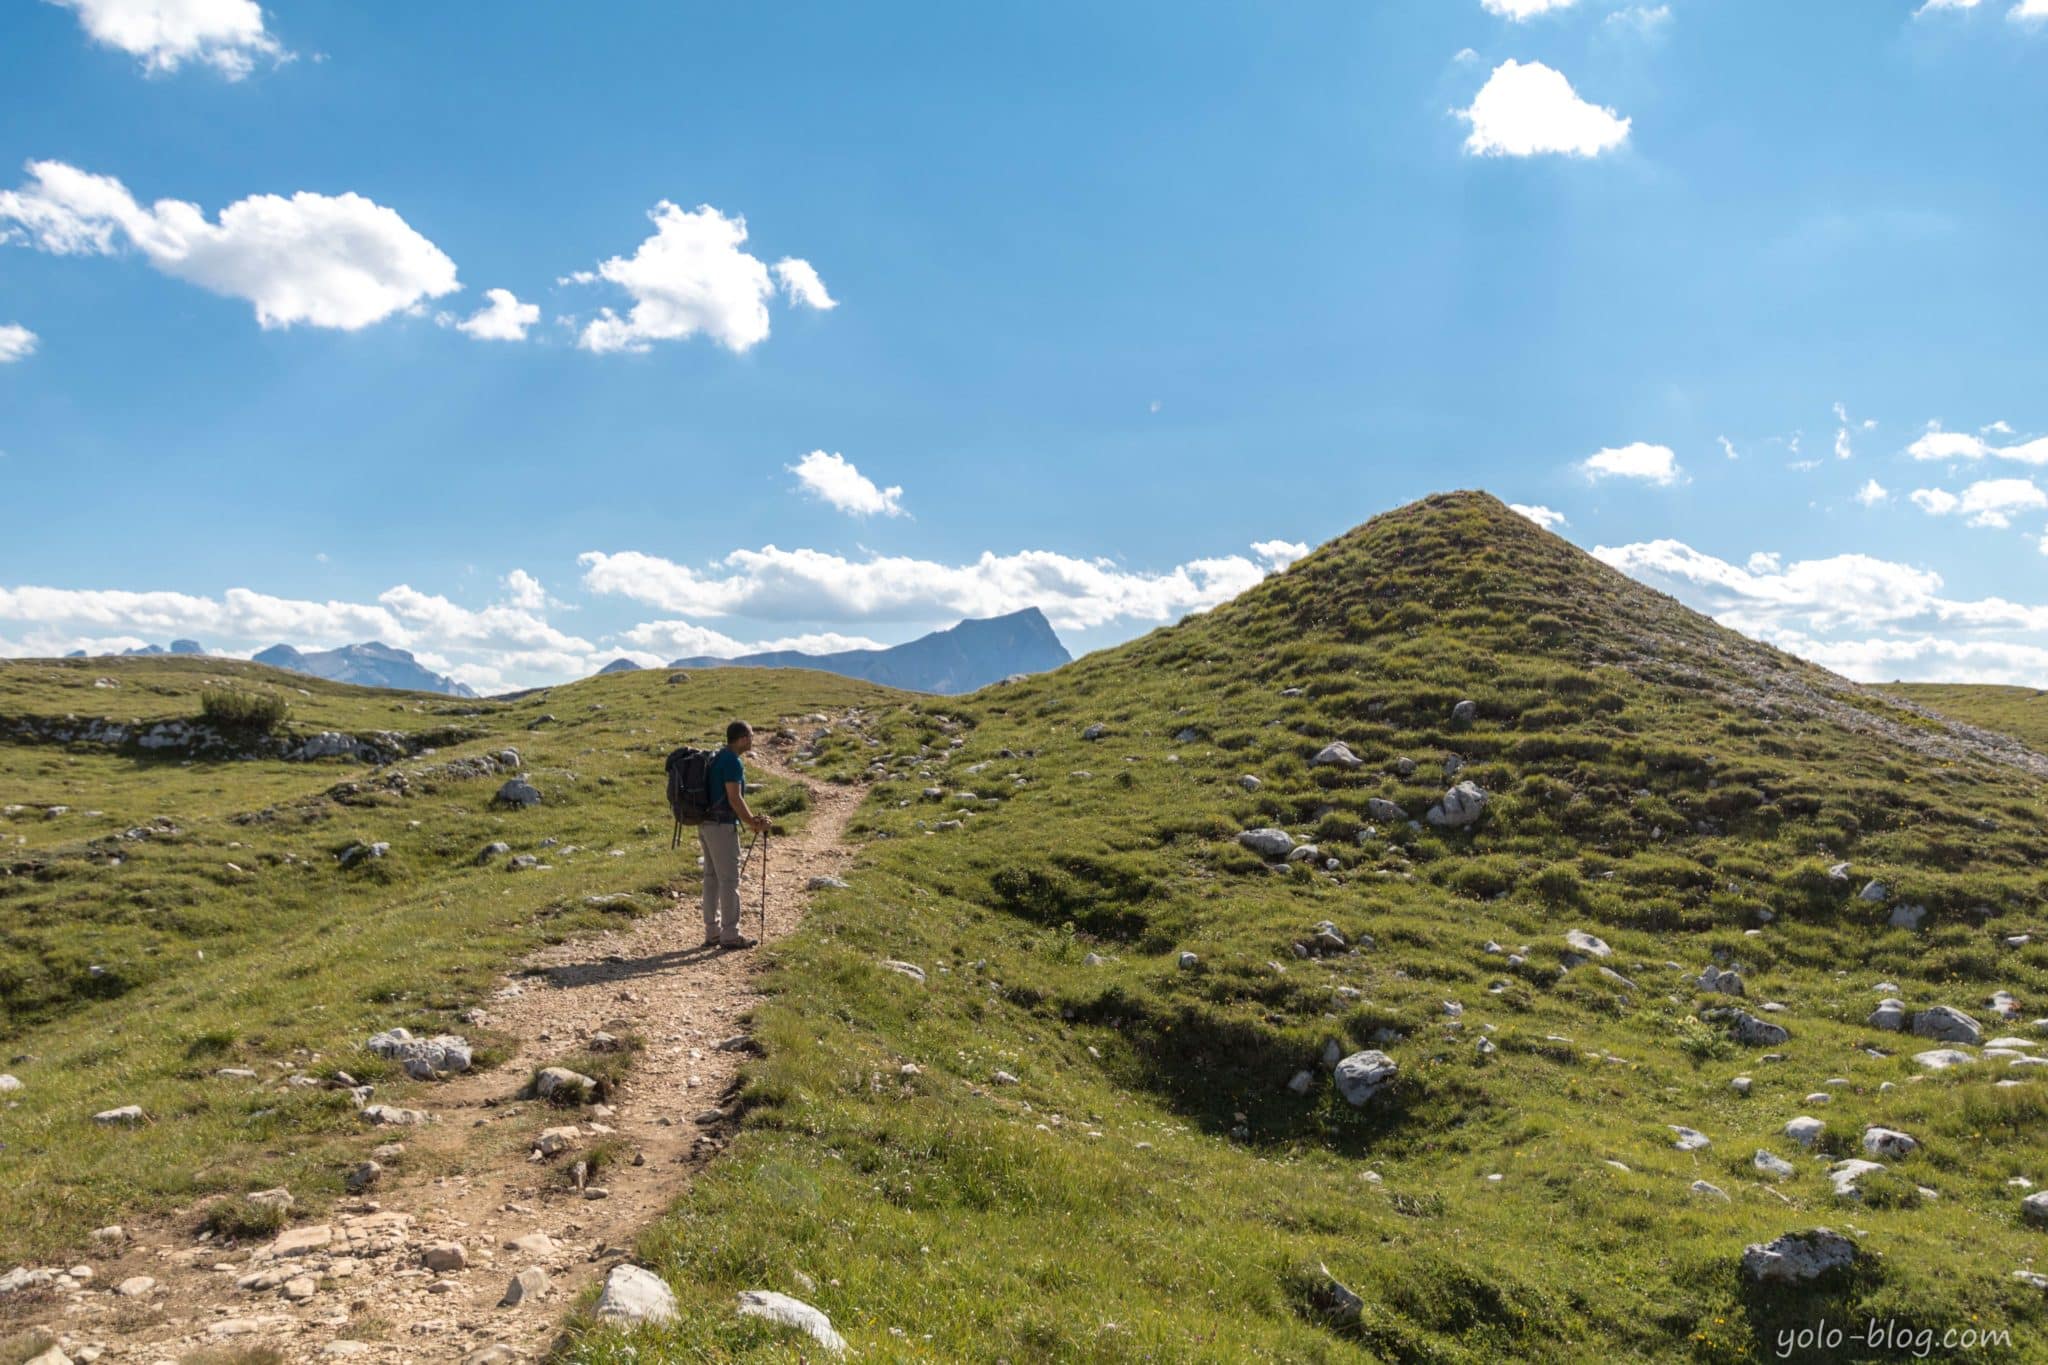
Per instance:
x=248, y=712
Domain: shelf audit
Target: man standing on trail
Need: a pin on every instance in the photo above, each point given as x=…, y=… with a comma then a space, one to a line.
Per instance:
x=720, y=837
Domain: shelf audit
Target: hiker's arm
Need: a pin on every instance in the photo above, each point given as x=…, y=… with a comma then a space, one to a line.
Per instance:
x=737, y=800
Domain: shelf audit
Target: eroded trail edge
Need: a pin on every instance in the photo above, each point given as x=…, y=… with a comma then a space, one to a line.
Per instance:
x=419, y=1267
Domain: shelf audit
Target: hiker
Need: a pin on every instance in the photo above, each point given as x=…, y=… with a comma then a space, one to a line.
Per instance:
x=720, y=836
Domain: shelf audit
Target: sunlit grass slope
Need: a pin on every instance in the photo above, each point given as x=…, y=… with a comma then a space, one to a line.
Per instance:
x=1069, y=1143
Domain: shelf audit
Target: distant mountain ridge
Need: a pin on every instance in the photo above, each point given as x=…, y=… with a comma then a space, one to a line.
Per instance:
x=960, y=658
x=366, y=665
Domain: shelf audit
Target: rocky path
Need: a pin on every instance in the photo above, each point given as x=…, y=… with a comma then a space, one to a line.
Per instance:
x=421, y=1268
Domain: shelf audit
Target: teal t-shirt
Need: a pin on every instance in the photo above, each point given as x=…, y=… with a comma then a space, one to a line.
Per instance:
x=725, y=767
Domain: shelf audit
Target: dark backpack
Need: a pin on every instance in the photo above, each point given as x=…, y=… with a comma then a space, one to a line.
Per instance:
x=689, y=787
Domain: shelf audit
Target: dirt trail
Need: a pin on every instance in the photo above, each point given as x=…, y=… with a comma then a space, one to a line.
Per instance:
x=372, y=1297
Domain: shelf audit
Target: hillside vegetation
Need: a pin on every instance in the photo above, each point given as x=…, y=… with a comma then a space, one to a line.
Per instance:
x=1103, y=1126
x=172, y=923
x=2021, y=712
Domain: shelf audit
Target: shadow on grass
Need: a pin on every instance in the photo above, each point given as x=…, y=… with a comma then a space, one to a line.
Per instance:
x=1212, y=1068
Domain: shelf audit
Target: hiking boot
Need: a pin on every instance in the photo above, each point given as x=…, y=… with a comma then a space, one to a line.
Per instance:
x=741, y=941
x=710, y=940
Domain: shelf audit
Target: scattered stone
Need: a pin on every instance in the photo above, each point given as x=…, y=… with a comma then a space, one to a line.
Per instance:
x=909, y=969
x=391, y=1115
x=1775, y=1167
x=1741, y=1085
x=633, y=1295
x=1465, y=712
x=1942, y=1058
x=2034, y=1208
x=789, y=1312
x=1843, y=1175
x=296, y=1242
x=1888, y=1142
x=518, y=792
x=495, y=849
x=1095, y=731
x=1189, y=961
x=1579, y=941
x=1689, y=1139
x=126, y=1116
x=1805, y=1130
x=424, y=1059
x=1363, y=1075
x=1336, y=755
x=135, y=1287
x=1462, y=805
x=299, y=1288
x=1946, y=1025
x=1270, y=844
x=1890, y=1015
x=1905, y=916
x=444, y=1257
x=825, y=883
x=1874, y=892
x=559, y=1082
x=1750, y=1031
x=1722, y=983
x=529, y=1286
x=1711, y=1191
x=1798, y=1257
x=365, y=1175
x=9, y=1084
x=360, y=853
x=1379, y=808
x=1249, y=783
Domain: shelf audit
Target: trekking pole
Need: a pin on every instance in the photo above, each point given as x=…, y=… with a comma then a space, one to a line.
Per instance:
x=764, y=886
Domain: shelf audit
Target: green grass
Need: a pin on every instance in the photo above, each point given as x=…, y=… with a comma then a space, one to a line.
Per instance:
x=2021, y=712
x=133, y=970
x=1150, y=1189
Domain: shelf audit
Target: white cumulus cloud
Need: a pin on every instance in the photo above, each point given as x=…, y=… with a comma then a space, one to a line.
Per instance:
x=693, y=278
x=832, y=479
x=1937, y=444
x=801, y=284
x=1638, y=460
x=1528, y=109
x=1872, y=493
x=504, y=318
x=685, y=639
x=1988, y=502
x=1868, y=618
x=1279, y=553
x=16, y=343
x=814, y=585
x=1543, y=516
x=338, y=261
x=1519, y=10
x=227, y=35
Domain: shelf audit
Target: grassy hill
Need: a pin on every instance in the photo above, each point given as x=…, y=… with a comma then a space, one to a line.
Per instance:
x=1071, y=1142
x=165, y=916
x=2021, y=712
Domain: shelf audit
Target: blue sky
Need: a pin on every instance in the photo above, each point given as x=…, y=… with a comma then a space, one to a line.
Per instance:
x=1125, y=303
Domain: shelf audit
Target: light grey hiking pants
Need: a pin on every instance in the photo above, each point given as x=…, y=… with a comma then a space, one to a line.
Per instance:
x=721, y=880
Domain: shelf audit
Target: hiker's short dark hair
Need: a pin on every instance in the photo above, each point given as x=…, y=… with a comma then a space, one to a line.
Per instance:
x=736, y=729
